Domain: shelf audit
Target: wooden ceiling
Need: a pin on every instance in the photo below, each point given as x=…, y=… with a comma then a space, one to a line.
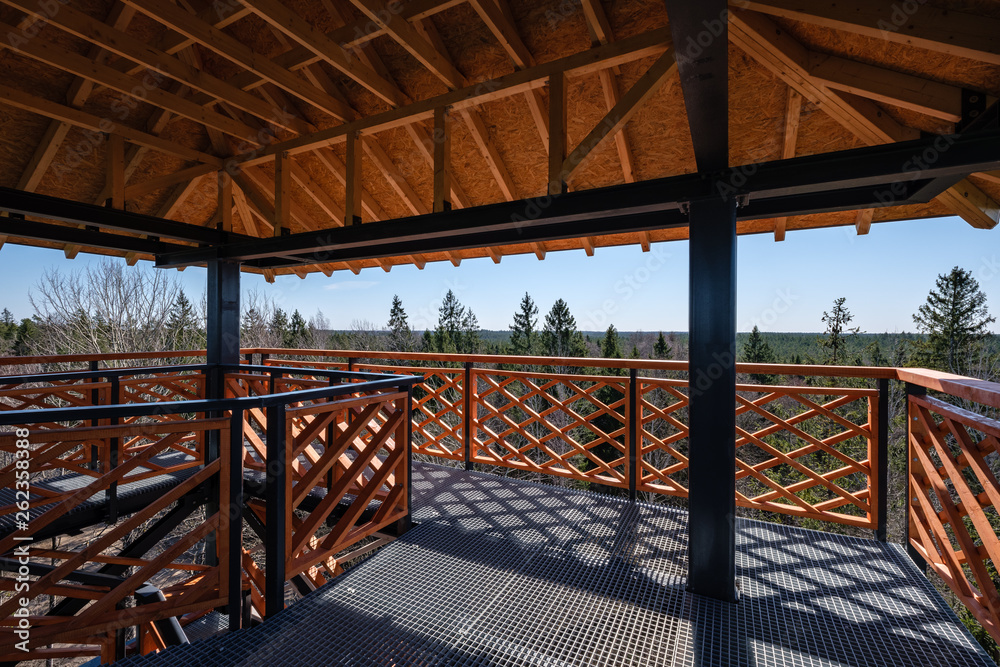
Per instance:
x=317, y=113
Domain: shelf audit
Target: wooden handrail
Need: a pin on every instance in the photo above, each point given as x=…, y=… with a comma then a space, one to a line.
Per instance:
x=980, y=391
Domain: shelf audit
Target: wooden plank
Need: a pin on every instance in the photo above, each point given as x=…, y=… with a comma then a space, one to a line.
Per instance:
x=282, y=194
x=918, y=94
x=300, y=30
x=137, y=190
x=442, y=160
x=863, y=221
x=339, y=171
x=44, y=153
x=947, y=31
x=972, y=204
x=425, y=145
x=225, y=201
x=557, y=133
x=115, y=156
x=793, y=116
x=615, y=120
x=317, y=193
x=352, y=210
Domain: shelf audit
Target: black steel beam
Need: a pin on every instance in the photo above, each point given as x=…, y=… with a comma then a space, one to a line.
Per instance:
x=41, y=231
x=700, y=32
x=712, y=416
x=66, y=210
x=864, y=177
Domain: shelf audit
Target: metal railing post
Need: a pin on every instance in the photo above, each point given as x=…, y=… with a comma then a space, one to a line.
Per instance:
x=634, y=429
x=95, y=399
x=234, y=515
x=467, y=390
x=275, y=516
x=911, y=390
x=882, y=451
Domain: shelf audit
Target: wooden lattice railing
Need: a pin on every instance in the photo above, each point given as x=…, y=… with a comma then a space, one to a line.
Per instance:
x=141, y=449
x=805, y=451
x=954, y=492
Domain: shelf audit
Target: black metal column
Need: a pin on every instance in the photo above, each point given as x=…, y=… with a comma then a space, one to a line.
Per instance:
x=276, y=504
x=712, y=441
x=223, y=313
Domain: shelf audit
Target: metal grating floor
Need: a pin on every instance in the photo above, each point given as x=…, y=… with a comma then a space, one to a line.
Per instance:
x=502, y=572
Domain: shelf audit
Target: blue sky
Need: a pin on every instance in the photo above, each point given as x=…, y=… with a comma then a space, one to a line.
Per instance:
x=784, y=286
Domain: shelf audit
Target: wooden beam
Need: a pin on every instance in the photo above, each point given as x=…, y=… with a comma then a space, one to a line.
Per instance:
x=647, y=85
x=863, y=221
x=788, y=59
x=539, y=250
x=177, y=197
x=115, y=154
x=480, y=134
x=137, y=190
x=213, y=39
x=304, y=33
x=407, y=36
x=384, y=263
x=339, y=171
x=536, y=105
x=27, y=102
x=454, y=258
x=317, y=193
x=282, y=193
x=225, y=201
x=793, y=116
x=588, y=245
x=44, y=153
x=557, y=133
x=648, y=44
x=609, y=83
x=989, y=176
x=397, y=181
x=246, y=217
x=352, y=210
x=132, y=49
x=504, y=30
x=646, y=240
x=260, y=193
x=442, y=160
x=946, y=31
x=972, y=205
x=494, y=254
x=118, y=18
x=597, y=22
x=425, y=145
x=915, y=93
x=418, y=260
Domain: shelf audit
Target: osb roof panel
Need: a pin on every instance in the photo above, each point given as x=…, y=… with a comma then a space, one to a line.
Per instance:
x=657, y=134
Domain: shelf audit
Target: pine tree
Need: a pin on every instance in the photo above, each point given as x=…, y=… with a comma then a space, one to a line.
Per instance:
x=400, y=334
x=757, y=351
x=298, y=332
x=837, y=332
x=662, y=349
x=559, y=335
x=955, y=319
x=524, y=330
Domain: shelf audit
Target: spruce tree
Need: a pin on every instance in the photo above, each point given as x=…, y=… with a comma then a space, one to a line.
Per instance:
x=955, y=319
x=559, y=335
x=183, y=330
x=400, y=334
x=611, y=345
x=298, y=332
x=524, y=330
x=662, y=349
x=757, y=351
x=837, y=332
x=458, y=327
x=279, y=327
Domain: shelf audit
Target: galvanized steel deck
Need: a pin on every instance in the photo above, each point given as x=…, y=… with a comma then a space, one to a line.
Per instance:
x=503, y=572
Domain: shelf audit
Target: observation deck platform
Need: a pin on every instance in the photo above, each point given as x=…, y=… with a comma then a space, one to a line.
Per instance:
x=506, y=572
